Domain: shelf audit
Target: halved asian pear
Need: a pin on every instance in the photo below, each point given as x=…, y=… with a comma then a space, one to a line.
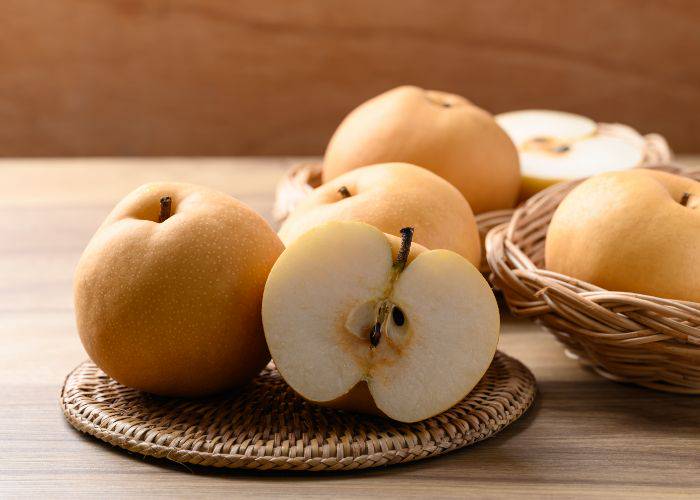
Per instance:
x=355, y=321
x=555, y=146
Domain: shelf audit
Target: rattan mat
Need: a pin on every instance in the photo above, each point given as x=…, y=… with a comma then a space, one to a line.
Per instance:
x=267, y=426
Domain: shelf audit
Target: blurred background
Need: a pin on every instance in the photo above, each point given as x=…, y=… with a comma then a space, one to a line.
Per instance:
x=274, y=77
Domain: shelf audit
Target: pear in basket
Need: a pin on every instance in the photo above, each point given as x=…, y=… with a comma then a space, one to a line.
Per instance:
x=634, y=231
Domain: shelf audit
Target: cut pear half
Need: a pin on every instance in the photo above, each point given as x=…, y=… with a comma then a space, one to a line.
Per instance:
x=524, y=126
x=555, y=146
x=338, y=284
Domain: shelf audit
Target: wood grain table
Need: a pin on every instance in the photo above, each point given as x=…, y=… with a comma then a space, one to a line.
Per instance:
x=584, y=437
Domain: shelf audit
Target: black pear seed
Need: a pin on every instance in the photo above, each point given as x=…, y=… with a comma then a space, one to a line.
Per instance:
x=397, y=316
x=375, y=334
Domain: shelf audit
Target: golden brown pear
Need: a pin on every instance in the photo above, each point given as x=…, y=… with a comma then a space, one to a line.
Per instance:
x=391, y=196
x=635, y=231
x=173, y=307
x=442, y=132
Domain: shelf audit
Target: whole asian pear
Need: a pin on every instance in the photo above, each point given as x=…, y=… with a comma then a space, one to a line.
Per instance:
x=168, y=291
x=391, y=196
x=636, y=231
x=442, y=132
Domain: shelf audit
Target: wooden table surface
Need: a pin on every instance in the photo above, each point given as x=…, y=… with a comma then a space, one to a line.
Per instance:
x=583, y=437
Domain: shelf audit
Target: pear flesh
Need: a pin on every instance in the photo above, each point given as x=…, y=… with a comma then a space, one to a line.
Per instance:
x=325, y=295
x=555, y=146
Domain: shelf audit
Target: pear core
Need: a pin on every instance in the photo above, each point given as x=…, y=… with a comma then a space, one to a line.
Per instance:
x=383, y=311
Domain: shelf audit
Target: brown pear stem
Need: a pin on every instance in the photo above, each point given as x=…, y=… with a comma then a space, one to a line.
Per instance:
x=385, y=309
x=165, y=206
x=344, y=192
x=685, y=198
x=402, y=256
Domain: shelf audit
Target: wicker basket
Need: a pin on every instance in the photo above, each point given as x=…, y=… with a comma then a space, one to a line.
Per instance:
x=302, y=178
x=626, y=337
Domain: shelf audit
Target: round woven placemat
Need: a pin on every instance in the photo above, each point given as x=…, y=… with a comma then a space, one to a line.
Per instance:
x=267, y=426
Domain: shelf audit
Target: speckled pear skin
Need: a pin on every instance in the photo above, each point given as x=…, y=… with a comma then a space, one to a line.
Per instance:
x=390, y=196
x=629, y=231
x=173, y=308
x=442, y=132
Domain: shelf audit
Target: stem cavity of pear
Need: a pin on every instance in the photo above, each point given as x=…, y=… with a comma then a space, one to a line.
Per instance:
x=165, y=207
x=437, y=99
x=387, y=310
x=685, y=199
x=344, y=192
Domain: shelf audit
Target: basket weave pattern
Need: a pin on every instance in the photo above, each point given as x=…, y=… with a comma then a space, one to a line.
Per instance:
x=267, y=426
x=627, y=337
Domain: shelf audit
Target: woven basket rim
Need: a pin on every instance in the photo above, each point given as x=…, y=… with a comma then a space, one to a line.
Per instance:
x=605, y=329
x=91, y=415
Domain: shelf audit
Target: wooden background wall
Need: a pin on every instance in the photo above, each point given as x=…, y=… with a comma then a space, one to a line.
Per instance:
x=221, y=77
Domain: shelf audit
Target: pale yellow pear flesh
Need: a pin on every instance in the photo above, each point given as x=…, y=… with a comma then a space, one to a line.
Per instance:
x=629, y=231
x=442, y=132
x=392, y=196
x=556, y=146
x=173, y=308
x=318, y=309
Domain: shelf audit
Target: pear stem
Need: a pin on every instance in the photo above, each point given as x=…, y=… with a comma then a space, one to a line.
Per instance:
x=386, y=308
x=165, y=206
x=344, y=192
x=685, y=198
x=402, y=256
